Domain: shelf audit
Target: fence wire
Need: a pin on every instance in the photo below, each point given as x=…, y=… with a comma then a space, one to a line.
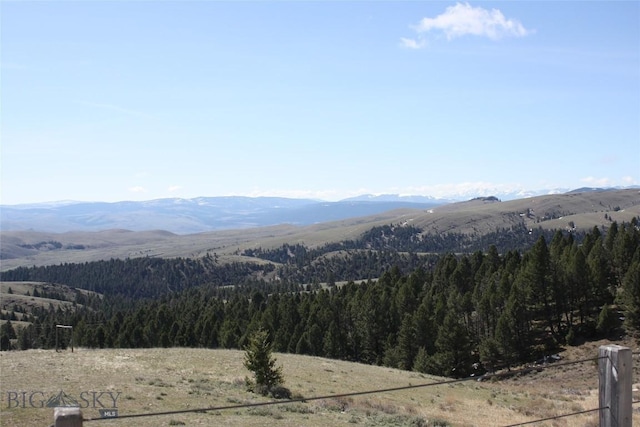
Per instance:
x=558, y=417
x=485, y=377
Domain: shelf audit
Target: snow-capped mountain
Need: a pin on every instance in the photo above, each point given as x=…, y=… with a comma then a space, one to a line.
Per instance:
x=233, y=212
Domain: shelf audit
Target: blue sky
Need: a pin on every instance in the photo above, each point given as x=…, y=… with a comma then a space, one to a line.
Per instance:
x=117, y=100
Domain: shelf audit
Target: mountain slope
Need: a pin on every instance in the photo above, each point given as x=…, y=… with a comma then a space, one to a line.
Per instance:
x=190, y=215
x=480, y=216
x=584, y=209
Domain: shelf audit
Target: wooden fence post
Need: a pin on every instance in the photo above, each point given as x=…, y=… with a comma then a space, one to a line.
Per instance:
x=615, y=369
x=67, y=416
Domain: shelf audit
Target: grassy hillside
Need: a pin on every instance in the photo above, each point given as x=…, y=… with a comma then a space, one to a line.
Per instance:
x=550, y=212
x=28, y=295
x=479, y=217
x=155, y=380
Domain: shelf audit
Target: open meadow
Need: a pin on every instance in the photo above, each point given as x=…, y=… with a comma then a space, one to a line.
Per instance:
x=145, y=381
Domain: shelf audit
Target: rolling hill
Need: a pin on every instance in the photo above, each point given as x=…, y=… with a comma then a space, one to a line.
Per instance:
x=153, y=379
x=575, y=210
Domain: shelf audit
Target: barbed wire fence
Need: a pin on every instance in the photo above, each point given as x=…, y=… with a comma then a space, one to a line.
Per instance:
x=485, y=377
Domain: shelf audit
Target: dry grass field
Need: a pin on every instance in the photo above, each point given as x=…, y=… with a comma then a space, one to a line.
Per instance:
x=176, y=379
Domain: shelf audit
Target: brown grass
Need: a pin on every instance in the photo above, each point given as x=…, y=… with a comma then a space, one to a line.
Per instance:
x=157, y=380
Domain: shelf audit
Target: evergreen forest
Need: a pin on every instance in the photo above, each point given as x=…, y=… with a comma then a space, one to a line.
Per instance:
x=448, y=305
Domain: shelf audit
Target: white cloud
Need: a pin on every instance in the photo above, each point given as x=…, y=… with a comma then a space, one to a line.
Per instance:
x=629, y=180
x=412, y=43
x=625, y=181
x=463, y=189
x=173, y=188
x=137, y=189
x=597, y=182
x=463, y=19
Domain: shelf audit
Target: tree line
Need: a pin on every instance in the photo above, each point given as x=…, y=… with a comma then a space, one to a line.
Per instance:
x=449, y=316
x=377, y=251
x=140, y=278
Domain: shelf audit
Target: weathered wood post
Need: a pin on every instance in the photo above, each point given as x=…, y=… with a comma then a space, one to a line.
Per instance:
x=615, y=369
x=67, y=416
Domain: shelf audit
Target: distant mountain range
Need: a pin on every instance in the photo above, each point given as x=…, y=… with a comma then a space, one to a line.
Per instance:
x=186, y=216
x=201, y=214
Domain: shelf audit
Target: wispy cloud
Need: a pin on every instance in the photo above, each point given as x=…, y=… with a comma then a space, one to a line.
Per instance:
x=413, y=43
x=608, y=182
x=463, y=19
x=463, y=189
x=174, y=188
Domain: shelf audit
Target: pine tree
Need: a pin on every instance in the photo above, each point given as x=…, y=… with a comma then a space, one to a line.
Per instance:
x=421, y=362
x=7, y=328
x=631, y=293
x=538, y=280
x=607, y=321
x=513, y=328
x=5, y=342
x=454, y=356
x=259, y=360
x=24, y=338
x=7, y=333
x=333, y=345
x=407, y=342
